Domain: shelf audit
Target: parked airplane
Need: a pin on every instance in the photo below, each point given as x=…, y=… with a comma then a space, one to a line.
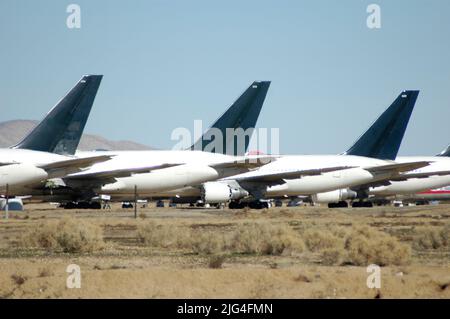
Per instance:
x=43, y=153
x=191, y=166
x=367, y=161
x=436, y=175
x=409, y=185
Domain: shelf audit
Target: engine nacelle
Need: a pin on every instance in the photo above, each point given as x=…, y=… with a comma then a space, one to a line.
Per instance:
x=334, y=196
x=215, y=192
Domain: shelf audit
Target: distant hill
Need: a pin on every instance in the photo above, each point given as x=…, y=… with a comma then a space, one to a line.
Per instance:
x=12, y=132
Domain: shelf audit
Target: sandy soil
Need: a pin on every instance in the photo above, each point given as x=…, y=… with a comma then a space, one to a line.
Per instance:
x=127, y=268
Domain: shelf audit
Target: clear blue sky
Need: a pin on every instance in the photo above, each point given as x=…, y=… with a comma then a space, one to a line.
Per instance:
x=167, y=63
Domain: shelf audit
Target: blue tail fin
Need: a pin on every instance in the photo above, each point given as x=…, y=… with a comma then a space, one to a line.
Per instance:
x=382, y=140
x=60, y=131
x=243, y=114
x=445, y=153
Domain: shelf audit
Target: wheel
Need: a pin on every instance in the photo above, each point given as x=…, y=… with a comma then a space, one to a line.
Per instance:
x=367, y=204
x=232, y=205
x=343, y=204
x=356, y=204
x=258, y=205
x=96, y=205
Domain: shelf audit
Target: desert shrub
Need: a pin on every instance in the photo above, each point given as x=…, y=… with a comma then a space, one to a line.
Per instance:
x=45, y=272
x=332, y=256
x=216, y=261
x=318, y=240
x=153, y=234
x=366, y=246
x=208, y=242
x=69, y=235
x=142, y=215
x=159, y=235
x=432, y=237
x=265, y=239
x=19, y=279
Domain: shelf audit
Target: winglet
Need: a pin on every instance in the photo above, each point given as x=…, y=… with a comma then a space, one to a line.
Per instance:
x=60, y=131
x=243, y=113
x=382, y=140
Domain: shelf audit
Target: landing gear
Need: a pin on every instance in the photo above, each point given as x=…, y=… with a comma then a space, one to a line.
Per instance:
x=160, y=203
x=82, y=205
x=293, y=203
x=278, y=203
x=236, y=205
x=362, y=204
x=126, y=205
x=341, y=204
x=258, y=205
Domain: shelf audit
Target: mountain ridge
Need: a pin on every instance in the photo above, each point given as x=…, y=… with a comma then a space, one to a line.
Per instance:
x=12, y=132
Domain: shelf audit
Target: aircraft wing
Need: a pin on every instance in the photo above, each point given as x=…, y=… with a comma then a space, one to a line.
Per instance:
x=277, y=178
x=400, y=178
x=407, y=176
x=7, y=163
x=396, y=168
x=245, y=163
x=106, y=177
x=66, y=167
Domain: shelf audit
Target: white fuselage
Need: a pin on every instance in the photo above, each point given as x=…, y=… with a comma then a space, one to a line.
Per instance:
x=195, y=168
x=307, y=185
x=416, y=185
x=320, y=183
x=24, y=173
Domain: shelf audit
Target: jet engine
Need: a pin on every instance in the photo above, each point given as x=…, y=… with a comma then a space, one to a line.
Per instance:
x=334, y=196
x=215, y=192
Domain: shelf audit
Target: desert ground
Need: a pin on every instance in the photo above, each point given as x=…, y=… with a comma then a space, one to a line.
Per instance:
x=298, y=252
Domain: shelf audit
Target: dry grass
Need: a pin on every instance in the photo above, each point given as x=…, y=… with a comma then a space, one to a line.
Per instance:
x=163, y=235
x=208, y=242
x=321, y=239
x=69, y=235
x=366, y=245
x=216, y=261
x=332, y=256
x=184, y=253
x=45, y=272
x=432, y=237
x=260, y=238
x=19, y=279
x=264, y=238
